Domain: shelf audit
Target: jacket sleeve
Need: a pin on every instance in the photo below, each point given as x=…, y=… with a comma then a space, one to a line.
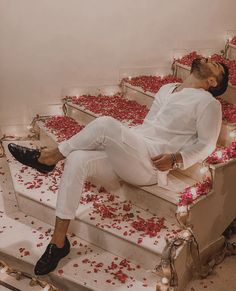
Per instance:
x=208, y=130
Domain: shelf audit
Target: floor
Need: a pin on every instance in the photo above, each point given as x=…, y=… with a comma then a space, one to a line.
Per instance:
x=222, y=278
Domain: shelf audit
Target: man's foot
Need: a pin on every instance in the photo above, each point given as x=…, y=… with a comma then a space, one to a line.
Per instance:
x=51, y=257
x=29, y=157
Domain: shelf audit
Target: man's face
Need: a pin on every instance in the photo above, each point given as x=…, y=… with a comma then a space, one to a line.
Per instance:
x=205, y=68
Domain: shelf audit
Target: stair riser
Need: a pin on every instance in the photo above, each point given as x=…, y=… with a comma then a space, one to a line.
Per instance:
x=193, y=172
x=140, y=97
x=90, y=233
x=231, y=52
x=222, y=203
x=184, y=264
x=79, y=115
x=181, y=72
x=225, y=139
x=230, y=95
x=152, y=203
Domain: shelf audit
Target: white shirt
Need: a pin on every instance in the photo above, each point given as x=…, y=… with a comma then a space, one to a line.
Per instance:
x=188, y=121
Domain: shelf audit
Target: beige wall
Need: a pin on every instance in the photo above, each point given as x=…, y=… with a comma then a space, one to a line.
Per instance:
x=49, y=44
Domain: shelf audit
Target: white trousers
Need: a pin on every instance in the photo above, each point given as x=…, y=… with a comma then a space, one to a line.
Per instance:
x=105, y=152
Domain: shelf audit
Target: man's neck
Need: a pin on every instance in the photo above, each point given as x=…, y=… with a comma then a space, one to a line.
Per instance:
x=192, y=82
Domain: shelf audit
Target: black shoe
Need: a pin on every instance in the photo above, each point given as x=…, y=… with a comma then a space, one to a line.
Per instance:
x=29, y=157
x=51, y=257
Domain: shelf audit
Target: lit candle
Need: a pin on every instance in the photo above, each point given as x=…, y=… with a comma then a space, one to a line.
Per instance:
x=186, y=234
x=182, y=209
x=232, y=134
x=4, y=270
x=204, y=170
x=47, y=288
x=193, y=191
x=165, y=281
x=219, y=154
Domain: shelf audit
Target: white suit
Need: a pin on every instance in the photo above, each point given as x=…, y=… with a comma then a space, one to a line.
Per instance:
x=188, y=122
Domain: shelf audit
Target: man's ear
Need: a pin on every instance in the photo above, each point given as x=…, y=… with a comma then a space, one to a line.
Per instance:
x=212, y=82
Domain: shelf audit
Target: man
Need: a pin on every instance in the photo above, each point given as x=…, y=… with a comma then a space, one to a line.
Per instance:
x=181, y=128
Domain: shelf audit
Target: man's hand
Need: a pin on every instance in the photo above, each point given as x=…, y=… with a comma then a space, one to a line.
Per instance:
x=163, y=162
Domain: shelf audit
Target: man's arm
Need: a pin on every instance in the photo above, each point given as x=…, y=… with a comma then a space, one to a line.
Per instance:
x=165, y=162
x=208, y=129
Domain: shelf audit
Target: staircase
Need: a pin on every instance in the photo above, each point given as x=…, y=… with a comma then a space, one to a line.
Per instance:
x=140, y=238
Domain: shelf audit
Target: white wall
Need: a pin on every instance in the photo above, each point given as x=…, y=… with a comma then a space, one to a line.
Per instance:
x=48, y=44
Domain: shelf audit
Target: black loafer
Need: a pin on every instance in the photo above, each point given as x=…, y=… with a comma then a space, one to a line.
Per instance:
x=51, y=257
x=29, y=157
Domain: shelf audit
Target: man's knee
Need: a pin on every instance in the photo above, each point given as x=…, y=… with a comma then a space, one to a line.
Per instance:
x=78, y=158
x=106, y=121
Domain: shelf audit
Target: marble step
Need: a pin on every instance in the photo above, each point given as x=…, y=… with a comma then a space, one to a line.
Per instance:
x=24, y=238
x=159, y=200
x=138, y=94
x=182, y=71
x=104, y=219
x=227, y=131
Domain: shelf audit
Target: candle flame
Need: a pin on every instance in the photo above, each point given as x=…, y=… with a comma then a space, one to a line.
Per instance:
x=193, y=191
x=219, y=154
x=204, y=170
x=232, y=134
x=4, y=270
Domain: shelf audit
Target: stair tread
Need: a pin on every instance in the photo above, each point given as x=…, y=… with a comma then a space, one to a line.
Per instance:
x=25, y=238
x=118, y=106
x=119, y=224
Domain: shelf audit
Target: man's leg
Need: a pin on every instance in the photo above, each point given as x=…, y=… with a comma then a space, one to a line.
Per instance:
x=60, y=230
x=109, y=135
x=125, y=155
x=50, y=157
x=79, y=166
x=101, y=134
